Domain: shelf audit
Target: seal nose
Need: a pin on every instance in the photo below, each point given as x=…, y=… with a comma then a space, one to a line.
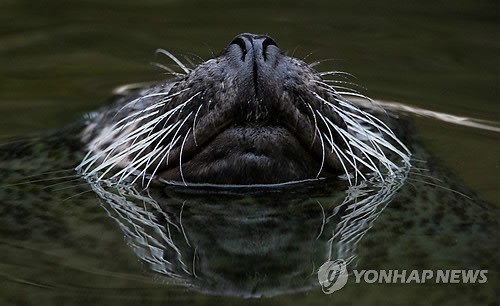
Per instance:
x=256, y=46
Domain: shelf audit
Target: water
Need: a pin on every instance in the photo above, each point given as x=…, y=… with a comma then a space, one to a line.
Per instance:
x=59, y=60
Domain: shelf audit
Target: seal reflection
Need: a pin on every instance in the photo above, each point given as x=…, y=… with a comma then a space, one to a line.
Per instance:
x=246, y=243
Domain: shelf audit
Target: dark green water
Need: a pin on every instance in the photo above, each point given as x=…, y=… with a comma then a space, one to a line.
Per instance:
x=60, y=59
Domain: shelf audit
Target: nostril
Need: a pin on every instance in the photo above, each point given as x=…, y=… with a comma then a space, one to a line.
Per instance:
x=268, y=41
x=240, y=42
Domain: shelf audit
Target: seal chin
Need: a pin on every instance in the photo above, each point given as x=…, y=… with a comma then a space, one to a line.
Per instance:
x=248, y=155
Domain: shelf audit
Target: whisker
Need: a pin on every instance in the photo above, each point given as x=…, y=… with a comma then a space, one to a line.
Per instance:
x=373, y=146
x=315, y=122
x=145, y=143
x=75, y=179
x=323, y=220
x=162, y=159
x=328, y=122
x=166, y=133
x=135, y=146
x=322, y=151
x=175, y=59
x=426, y=176
x=440, y=186
x=40, y=180
x=341, y=73
x=83, y=184
x=369, y=119
x=166, y=95
x=194, y=125
x=188, y=59
x=163, y=67
x=168, y=146
x=344, y=83
x=335, y=88
x=180, y=157
x=76, y=195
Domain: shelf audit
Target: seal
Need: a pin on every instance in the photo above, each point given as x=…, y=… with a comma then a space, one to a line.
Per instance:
x=251, y=115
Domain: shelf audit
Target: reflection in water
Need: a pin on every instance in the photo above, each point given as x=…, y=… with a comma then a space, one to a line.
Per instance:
x=242, y=243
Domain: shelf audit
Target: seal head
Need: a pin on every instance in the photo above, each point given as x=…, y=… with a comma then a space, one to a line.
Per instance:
x=252, y=115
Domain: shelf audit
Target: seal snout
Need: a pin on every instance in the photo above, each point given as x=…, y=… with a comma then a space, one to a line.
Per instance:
x=254, y=68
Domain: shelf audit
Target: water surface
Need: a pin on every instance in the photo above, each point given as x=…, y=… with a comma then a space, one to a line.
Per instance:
x=59, y=60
